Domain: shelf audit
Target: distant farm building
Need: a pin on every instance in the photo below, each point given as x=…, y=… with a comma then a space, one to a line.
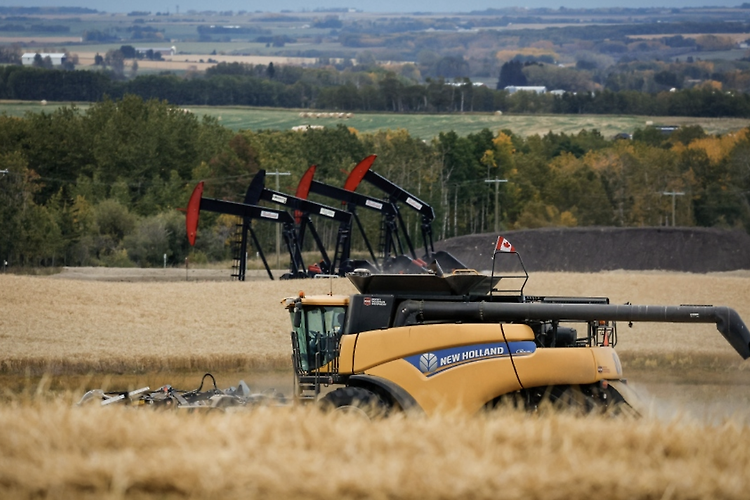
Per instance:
x=512, y=89
x=57, y=58
x=165, y=51
x=461, y=84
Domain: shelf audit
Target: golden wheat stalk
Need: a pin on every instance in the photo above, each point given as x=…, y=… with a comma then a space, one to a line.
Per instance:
x=52, y=449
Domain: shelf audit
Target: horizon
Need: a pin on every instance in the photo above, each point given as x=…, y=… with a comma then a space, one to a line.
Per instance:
x=385, y=6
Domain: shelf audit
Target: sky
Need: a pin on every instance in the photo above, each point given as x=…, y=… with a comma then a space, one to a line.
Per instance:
x=368, y=6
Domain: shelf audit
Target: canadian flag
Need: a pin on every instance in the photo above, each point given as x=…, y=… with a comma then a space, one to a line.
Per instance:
x=504, y=245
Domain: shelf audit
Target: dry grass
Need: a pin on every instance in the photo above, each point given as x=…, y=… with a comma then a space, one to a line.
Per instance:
x=51, y=450
x=75, y=326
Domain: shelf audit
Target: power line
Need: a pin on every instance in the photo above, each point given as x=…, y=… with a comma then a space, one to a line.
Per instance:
x=496, y=182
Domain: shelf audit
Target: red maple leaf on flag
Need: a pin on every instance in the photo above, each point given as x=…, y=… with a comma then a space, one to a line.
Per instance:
x=503, y=245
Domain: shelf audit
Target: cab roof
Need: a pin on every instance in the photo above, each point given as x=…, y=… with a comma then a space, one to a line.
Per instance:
x=318, y=300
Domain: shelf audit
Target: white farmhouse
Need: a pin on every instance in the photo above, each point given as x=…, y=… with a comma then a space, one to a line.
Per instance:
x=57, y=58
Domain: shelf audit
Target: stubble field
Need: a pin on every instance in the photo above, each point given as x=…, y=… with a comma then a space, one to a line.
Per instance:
x=693, y=444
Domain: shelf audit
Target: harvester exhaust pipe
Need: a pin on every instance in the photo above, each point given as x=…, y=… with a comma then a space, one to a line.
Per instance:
x=727, y=321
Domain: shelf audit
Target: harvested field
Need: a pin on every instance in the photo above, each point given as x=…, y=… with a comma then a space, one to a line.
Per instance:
x=85, y=332
x=78, y=326
x=187, y=61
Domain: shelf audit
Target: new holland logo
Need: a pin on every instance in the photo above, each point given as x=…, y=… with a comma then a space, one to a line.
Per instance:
x=428, y=362
x=434, y=362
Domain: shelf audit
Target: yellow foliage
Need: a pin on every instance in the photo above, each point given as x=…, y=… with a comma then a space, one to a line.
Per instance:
x=566, y=163
x=82, y=212
x=608, y=159
x=353, y=131
x=710, y=84
x=567, y=219
x=399, y=134
x=508, y=54
x=537, y=214
x=502, y=152
x=718, y=148
x=488, y=158
x=678, y=147
x=706, y=66
x=503, y=143
x=713, y=42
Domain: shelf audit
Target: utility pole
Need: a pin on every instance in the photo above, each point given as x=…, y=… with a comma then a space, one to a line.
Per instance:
x=673, y=194
x=497, y=182
x=278, y=230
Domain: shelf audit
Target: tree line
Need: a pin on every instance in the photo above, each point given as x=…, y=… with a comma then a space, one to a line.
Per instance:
x=295, y=87
x=102, y=186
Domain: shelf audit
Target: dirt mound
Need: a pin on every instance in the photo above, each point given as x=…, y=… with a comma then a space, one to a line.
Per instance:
x=592, y=249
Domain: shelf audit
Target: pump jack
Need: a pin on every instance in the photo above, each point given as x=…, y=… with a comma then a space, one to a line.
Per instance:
x=303, y=210
x=247, y=212
x=343, y=261
x=392, y=247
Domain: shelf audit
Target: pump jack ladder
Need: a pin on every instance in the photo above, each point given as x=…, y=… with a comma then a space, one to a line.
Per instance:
x=247, y=212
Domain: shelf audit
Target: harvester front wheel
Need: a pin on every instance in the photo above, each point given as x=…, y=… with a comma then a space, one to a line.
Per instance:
x=354, y=400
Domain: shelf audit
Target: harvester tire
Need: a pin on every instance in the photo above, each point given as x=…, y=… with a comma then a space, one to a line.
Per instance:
x=354, y=400
x=590, y=399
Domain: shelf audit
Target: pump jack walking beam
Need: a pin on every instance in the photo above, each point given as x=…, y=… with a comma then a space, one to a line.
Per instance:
x=395, y=194
x=303, y=210
x=353, y=200
x=247, y=212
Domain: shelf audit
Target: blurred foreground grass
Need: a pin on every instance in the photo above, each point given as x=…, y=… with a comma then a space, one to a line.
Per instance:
x=49, y=449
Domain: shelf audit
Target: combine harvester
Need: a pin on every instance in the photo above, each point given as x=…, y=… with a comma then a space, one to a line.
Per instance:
x=430, y=342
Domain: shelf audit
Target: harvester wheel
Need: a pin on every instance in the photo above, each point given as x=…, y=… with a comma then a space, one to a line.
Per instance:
x=590, y=399
x=354, y=400
x=581, y=400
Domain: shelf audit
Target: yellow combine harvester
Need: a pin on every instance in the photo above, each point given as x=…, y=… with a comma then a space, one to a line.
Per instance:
x=456, y=340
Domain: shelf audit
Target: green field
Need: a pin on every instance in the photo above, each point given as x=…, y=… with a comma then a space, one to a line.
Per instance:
x=428, y=126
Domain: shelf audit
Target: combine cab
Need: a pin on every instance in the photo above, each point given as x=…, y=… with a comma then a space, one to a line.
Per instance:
x=463, y=340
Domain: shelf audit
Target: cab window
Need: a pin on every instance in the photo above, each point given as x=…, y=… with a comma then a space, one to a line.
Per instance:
x=318, y=335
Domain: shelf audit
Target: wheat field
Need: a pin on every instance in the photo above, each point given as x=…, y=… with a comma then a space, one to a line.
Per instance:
x=50, y=450
x=62, y=323
x=62, y=327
